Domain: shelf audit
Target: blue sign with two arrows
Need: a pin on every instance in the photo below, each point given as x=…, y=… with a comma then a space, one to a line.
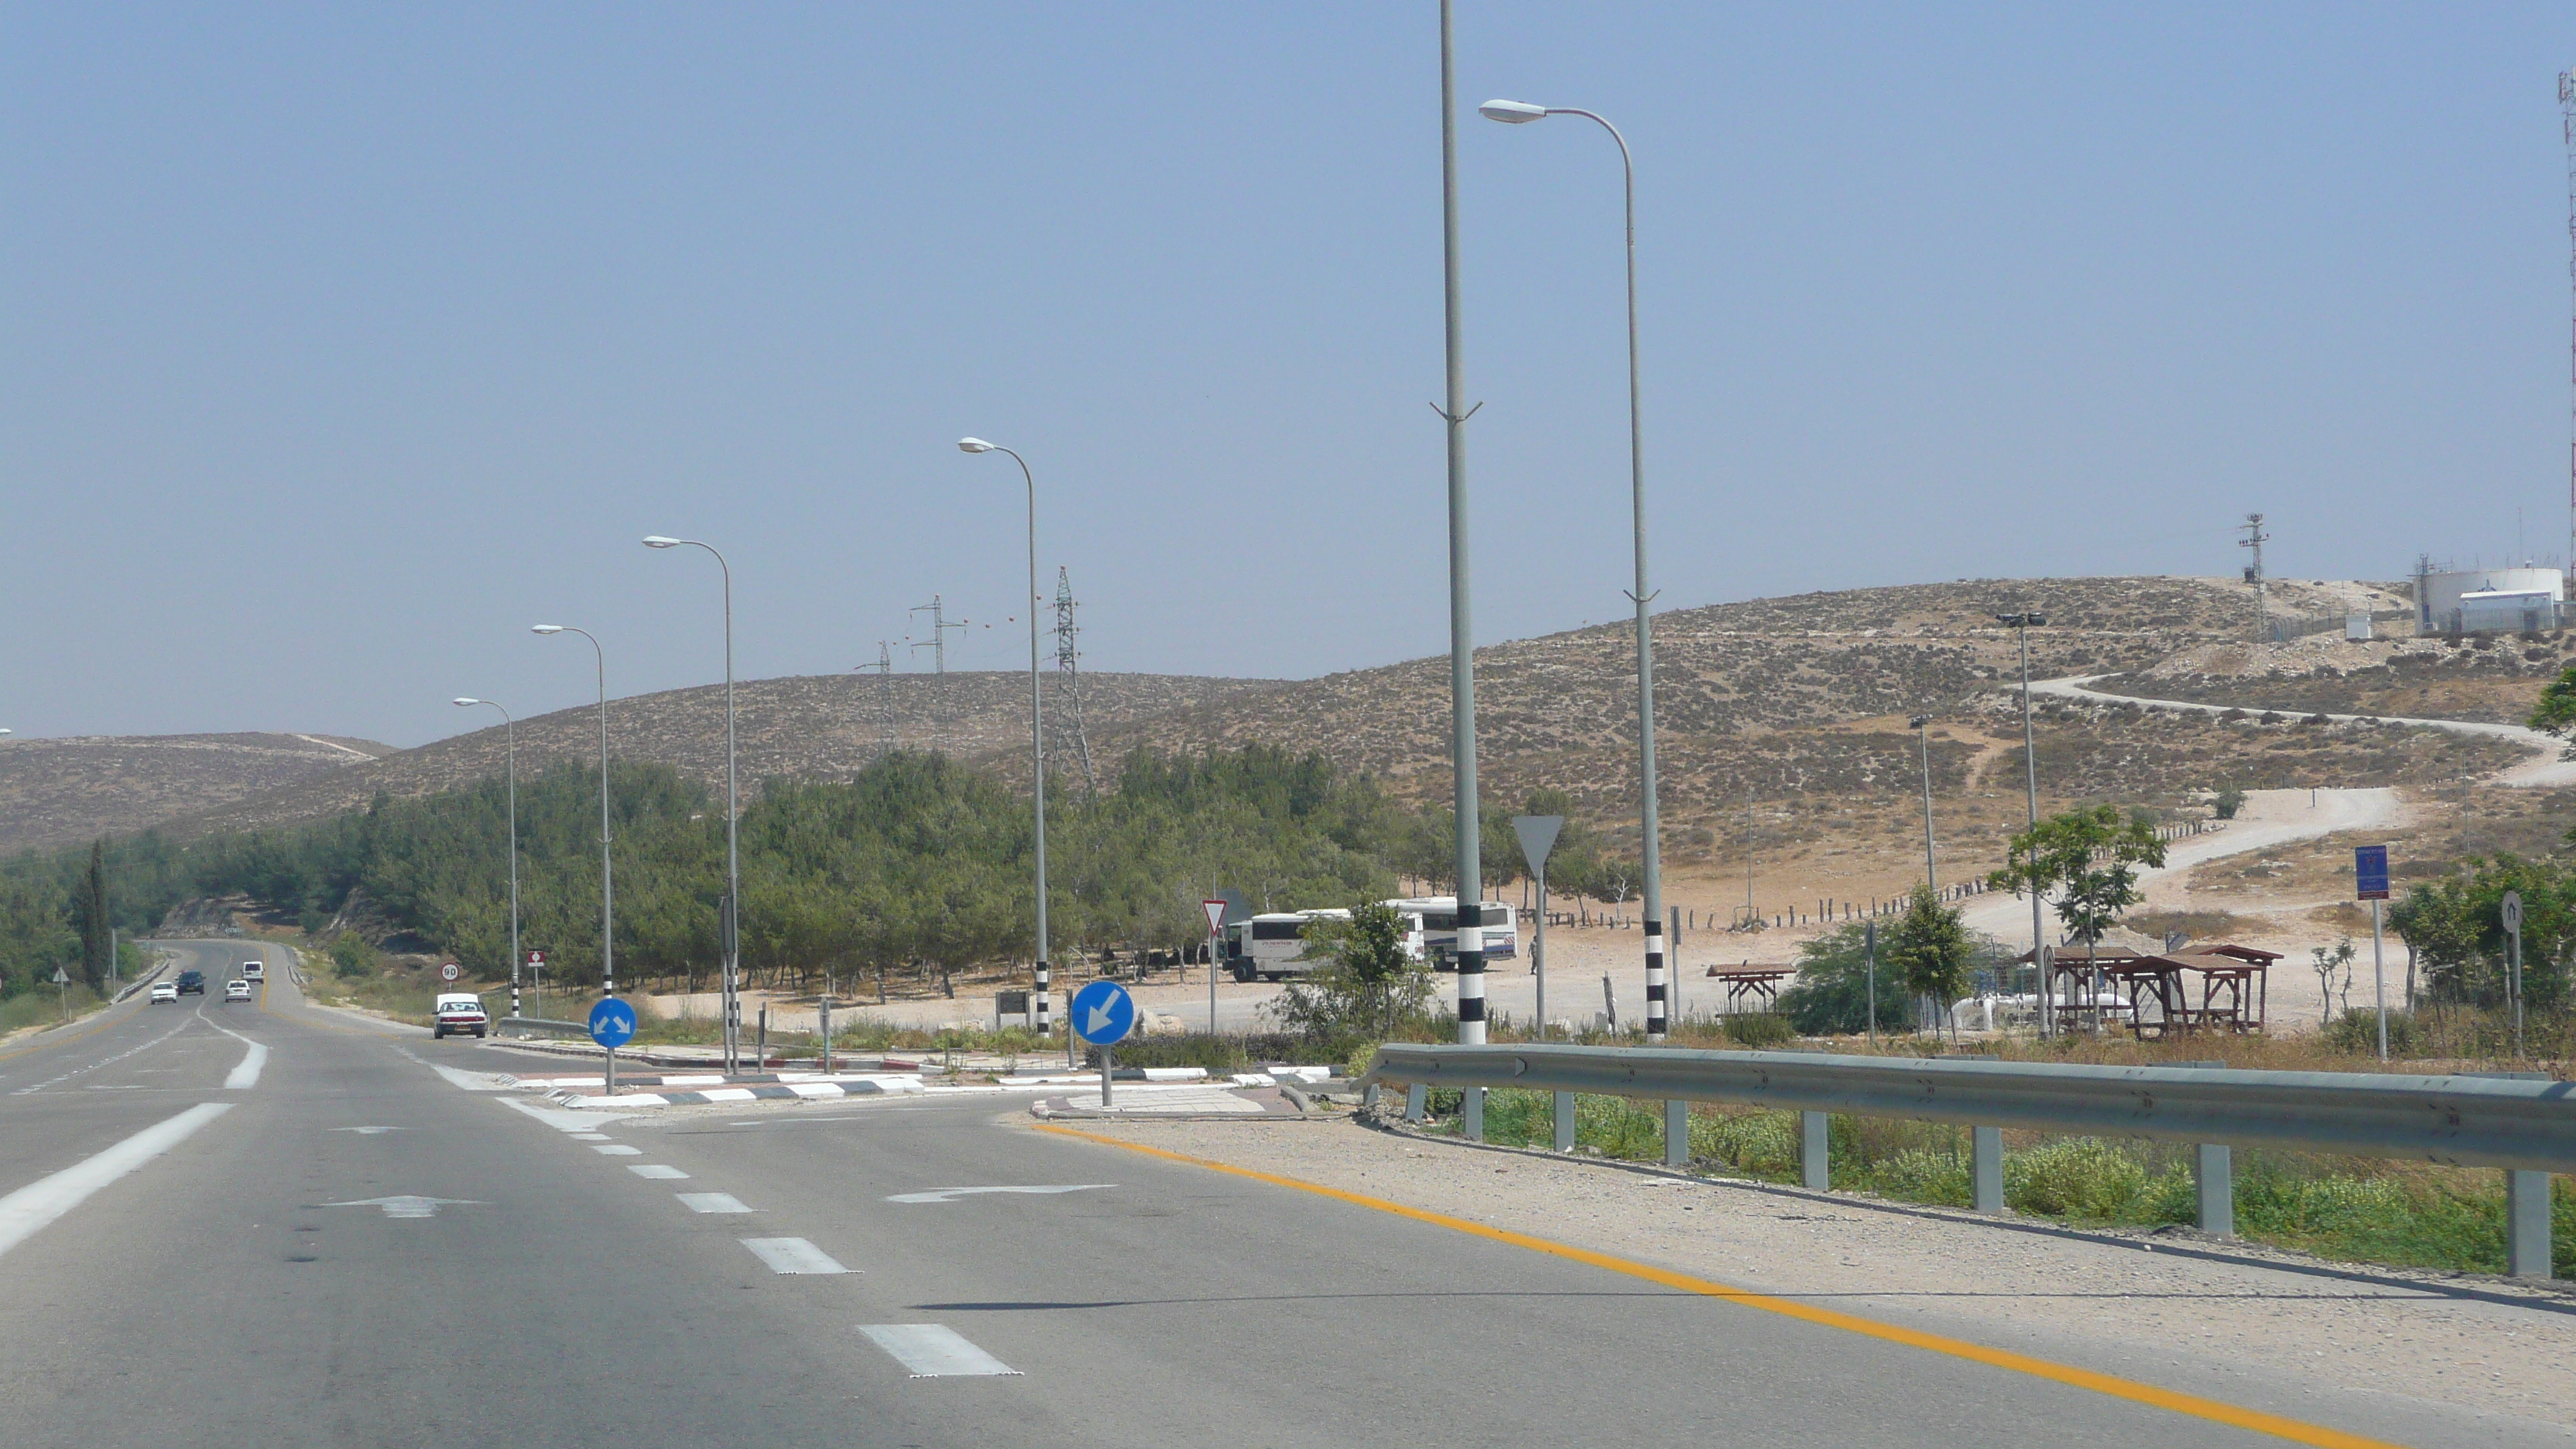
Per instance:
x=612, y=1023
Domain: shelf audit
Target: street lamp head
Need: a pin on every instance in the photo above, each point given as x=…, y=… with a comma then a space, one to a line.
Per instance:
x=1512, y=113
x=658, y=541
x=462, y=700
x=545, y=628
x=973, y=445
x=2036, y=621
x=1919, y=721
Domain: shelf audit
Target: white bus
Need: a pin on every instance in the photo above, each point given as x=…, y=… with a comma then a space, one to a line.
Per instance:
x=1272, y=945
x=1436, y=934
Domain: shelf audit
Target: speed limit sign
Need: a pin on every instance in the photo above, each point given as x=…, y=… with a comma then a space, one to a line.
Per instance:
x=450, y=971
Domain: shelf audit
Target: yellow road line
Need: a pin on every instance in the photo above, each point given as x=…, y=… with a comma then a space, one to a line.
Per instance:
x=2192, y=1405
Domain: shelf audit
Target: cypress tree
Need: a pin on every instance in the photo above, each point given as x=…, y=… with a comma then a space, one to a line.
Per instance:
x=94, y=920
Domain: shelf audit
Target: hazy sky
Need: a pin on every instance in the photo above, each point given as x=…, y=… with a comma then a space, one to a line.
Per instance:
x=341, y=343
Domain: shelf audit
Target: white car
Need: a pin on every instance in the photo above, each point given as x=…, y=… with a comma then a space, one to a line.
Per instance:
x=236, y=991
x=165, y=991
x=254, y=971
x=460, y=1011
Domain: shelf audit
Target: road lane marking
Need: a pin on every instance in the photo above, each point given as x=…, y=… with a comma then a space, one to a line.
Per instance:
x=792, y=1255
x=102, y=1061
x=657, y=1170
x=25, y=1212
x=470, y=1081
x=712, y=1202
x=367, y=1131
x=246, y=1075
x=589, y=1136
x=934, y=1351
x=2189, y=1405
x=561, y=1120
x=952, y=1194
x=616, y=1149
x=409, y=1205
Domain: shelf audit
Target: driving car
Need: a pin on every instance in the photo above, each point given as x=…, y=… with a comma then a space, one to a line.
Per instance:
x=254, y=970
x=164, y=991
x=236, y=991
x=192, y=981
x=460, y=1011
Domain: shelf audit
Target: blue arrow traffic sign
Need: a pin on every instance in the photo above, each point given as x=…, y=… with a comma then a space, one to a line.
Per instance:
x=1103, y=1013
x=612, y=1023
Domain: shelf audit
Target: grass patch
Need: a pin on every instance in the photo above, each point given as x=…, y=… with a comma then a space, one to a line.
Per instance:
x=40, y=1006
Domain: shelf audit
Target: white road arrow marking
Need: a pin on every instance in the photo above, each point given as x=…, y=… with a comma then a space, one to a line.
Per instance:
x=952, y=1194
x=408, y=1205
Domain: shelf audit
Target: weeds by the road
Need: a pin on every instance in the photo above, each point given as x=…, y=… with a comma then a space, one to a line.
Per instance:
x=42, y=1006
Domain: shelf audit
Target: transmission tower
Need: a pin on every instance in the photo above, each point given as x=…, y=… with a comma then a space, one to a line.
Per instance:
x=1068, y=689
x=885, y=691
x=940, y=624
x=2567, y=135
x=2254, y=539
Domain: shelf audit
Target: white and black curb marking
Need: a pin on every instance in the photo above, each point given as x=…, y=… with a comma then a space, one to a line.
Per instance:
x=894, y=1086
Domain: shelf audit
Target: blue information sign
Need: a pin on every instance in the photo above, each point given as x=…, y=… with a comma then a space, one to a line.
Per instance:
x=2370, y=872
x=1103, y=1013
x=612, y=1023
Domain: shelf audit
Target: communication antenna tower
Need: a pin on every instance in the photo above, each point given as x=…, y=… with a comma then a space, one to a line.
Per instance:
x=2254, y=539
x=1068, y=690
x=2567, y=135
x=940, y=624
x=885, y=691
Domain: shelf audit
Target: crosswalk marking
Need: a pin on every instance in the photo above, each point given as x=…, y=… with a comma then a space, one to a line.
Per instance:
x=713, y=1202
x=659, y=1170
x=792, y=1255
x=934, y=1350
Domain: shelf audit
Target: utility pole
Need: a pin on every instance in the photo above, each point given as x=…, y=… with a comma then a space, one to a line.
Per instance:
x=2254, y=539
x=2567, y=135
x=939, y=627
x=2023, y=624
x=1068, y=715
x=1462, y=640
x=885, y=691
x=1923, y=731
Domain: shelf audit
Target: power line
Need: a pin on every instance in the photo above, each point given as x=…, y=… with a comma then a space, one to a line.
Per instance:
x=940, y=624
x=885, y=691
x=1068, y=690
x=2254, y=539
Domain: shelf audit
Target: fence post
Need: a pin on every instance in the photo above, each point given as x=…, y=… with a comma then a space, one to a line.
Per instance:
x=1677, y=1139
x=1414, y=1098
x=2526, y=1224
x=2213, y=1170
x=1564, y=1106
x=1813, y=1172
x=1986, y=1165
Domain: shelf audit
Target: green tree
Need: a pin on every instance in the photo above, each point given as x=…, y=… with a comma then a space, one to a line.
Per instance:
x=2456, y=925
x=1931, y=949
x=2090, y=859
x=95, y=922
x=1367, y=983
x=1831, y=993
x=2556, y=712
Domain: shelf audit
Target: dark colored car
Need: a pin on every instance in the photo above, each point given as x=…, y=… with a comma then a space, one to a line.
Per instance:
x=192, y=981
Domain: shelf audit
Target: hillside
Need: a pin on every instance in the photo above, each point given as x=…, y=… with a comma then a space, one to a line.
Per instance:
x=63, y=791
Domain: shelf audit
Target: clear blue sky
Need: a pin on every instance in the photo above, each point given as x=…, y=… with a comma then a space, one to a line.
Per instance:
x=341, y=343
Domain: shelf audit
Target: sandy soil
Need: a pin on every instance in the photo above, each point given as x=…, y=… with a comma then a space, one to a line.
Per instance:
x=2183, y=1322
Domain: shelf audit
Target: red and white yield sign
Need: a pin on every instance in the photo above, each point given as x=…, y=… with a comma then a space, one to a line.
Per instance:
x=450, y=971
x=1216, y=916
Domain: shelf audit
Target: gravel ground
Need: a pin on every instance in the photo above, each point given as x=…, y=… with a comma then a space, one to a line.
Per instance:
x=2129, y=1303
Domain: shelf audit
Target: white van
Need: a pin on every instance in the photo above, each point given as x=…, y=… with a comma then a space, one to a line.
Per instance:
x=254, y=971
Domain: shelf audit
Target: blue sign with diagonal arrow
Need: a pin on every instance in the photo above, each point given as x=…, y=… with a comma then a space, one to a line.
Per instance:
x=612, y=1023
x=1103, y=1013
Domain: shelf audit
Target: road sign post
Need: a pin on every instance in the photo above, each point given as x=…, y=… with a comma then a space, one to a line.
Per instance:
x=1216, y=932
x=450, y=971
x=1102, y=1014
x=2370, y=883
x=1538, y=837
x=536, y=983
x=2512, y=912
x=62, y=992
x=612, y=1025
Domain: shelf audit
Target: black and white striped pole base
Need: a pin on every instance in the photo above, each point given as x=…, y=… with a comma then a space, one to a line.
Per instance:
x=1471, y=985
x=1654, y=979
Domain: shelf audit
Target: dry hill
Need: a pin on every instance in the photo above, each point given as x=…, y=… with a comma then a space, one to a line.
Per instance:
x=63, y=791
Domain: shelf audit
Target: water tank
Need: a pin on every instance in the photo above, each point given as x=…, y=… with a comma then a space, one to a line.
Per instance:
x=2492, y=594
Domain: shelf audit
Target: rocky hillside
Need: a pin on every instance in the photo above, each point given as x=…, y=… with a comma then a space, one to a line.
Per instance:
x=64, y=791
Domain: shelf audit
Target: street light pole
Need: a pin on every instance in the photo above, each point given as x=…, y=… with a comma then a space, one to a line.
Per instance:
x=1037, y=734
x=1519, y=113
x=607, y=887
x=1462, y=634
x=2024, y=623
x=1923, y=732
x=509, y=733
x=729, y=921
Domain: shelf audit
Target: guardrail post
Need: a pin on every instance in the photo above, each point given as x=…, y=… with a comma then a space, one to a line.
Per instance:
x=1564, y=1121
x=2213, y=1171
x=1414, y=1098
x=1677, y=1134
x=1369, y=1095
x=2526, y=1224
x=1813, y=1172
x=1986, y=1167
x=1471, y=1113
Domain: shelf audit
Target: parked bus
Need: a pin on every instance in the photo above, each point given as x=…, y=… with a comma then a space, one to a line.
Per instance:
x=1437, y=936
x=1272, y=945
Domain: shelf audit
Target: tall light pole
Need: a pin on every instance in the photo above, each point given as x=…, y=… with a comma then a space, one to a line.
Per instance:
x=607, y=889
x=1462, y=633
x=1923, y=732
x=2024, y=623
x=1037, y=732
x=1520, y=113
x=728, y=920
x=510, y=734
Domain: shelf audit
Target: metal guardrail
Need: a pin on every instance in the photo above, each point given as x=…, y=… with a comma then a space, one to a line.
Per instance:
x=2527, y=1127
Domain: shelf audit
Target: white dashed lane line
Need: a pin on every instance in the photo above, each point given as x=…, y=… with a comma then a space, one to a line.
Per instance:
x=792, y=1255
x=659, y=1170
x=103, y=1061
x=934, y=1351
x=26, y=1212
x=616, y=1149
x=712, y=1202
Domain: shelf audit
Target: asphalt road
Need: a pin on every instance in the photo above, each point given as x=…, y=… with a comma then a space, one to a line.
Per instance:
x=360, y=1249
